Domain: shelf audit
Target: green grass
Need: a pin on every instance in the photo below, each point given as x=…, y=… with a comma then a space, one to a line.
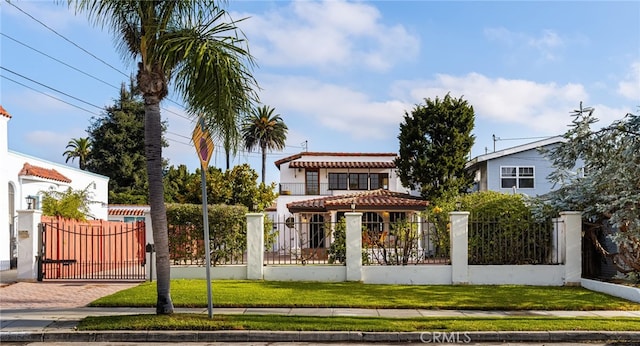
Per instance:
x=231, y=293
x=365, y=324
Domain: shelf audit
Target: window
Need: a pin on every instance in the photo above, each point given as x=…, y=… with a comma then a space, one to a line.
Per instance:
x=133, y=218
x=518, y=177
x=338, y=181
x=358, y=181
x=312, y=182
x=380, y=181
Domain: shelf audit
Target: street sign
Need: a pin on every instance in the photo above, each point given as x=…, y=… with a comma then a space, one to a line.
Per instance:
x=204, y=147
x=203, y=143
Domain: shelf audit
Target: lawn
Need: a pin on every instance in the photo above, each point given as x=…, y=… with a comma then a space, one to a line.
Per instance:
x=229, y=293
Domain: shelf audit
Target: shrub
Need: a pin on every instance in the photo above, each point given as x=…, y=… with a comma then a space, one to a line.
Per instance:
x=227, y=233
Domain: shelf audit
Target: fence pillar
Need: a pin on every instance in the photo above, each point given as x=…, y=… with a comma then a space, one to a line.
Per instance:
x=28, y=236
x=459, y=221
x=255, y=246
x=572, y=221
x=354, y=246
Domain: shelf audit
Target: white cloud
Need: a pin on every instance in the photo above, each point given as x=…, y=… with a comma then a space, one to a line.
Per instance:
x=548, y=43
x=335, y=107
x=630, y=86
x=538, y=106
x=327, y=34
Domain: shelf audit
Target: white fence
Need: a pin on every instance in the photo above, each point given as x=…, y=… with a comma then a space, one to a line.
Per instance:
x=458, y=272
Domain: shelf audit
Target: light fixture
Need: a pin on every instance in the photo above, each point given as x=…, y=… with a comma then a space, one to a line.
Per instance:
x=31, y=202
x=458, y=205
x=353, y=206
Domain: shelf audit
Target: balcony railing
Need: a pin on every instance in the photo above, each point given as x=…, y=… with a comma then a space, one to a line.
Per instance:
x=301, y=189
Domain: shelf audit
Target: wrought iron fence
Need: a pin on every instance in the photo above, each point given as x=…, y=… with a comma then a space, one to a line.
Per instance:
x=305, y=241
x=514, y=240
x=402, y=241
x=186, y=247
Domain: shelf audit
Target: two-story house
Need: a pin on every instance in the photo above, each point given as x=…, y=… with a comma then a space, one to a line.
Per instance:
x=319, y=187
x=519, y=169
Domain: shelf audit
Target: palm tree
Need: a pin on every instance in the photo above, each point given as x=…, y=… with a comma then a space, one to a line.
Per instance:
x=80, y=148
x=265, y=130
x=189, y=43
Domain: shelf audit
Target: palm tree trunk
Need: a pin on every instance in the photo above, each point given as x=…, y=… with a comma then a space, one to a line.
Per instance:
x=153, y=151
x=264, y=162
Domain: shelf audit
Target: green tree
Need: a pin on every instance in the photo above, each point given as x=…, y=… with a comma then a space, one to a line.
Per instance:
x=189, y=43
x=435, y=141
x=80, y=148
x=229, y=135
x=178, y=183
x=237, y=186
x=117, y=150
x=70, y=204
x=265, y=130
x=607, y=187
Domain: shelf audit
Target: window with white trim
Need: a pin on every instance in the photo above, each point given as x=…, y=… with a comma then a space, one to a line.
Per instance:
x=519, y=177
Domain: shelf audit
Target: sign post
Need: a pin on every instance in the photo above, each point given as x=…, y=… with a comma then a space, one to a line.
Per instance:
x=204, y=147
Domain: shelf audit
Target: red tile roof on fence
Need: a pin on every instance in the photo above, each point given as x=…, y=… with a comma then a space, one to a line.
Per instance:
x=369, y=200
x=127, y=210
x=45, y=173
x=306, y=153
x=4, y=113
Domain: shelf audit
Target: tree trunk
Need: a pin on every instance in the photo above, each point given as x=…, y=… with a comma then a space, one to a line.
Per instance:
x=153, y=151
x=264, y=162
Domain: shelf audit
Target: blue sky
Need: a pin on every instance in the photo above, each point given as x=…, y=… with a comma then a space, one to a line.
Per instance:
x=342, y=74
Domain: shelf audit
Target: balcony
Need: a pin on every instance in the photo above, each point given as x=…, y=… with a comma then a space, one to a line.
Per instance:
x=300, y=189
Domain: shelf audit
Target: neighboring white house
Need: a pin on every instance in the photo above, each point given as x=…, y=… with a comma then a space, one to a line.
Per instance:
x=522, y=169
x=313, y=175
x=23, y=178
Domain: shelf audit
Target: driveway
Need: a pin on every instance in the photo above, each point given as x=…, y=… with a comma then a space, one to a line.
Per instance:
x=53, y=294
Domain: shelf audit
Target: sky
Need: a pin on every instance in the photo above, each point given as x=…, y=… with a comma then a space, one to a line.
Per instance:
x=342, y=74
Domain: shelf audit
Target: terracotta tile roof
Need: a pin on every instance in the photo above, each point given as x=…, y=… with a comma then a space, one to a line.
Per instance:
x=4, y=113
x=127, y=210
x=307, y=153
x=346, y=164
x=370, y=200
x=45, y=173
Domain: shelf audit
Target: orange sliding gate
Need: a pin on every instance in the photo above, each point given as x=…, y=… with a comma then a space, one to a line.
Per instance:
x=91, y=250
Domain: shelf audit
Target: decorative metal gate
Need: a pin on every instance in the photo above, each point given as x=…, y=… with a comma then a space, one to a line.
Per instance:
x=91, y=250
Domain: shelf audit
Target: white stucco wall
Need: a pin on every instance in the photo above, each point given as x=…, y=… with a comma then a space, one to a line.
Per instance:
x=5, y=235
x=98, y=184
x=11, y=165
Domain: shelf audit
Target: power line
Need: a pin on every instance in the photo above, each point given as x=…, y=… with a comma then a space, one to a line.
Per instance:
x=64, y=38
x=48, y=87
x=59, y=61
x=53, y=97
x=82, y=49
x=83, y=72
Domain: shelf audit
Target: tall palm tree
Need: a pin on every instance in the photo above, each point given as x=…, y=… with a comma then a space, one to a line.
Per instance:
x=265, y=130
x=80, y=148
x=188, y=43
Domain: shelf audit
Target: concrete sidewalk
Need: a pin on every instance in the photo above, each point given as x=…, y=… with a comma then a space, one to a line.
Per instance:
x=59, y=325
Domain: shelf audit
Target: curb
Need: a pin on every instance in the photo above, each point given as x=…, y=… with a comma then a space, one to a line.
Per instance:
x=312, y=336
